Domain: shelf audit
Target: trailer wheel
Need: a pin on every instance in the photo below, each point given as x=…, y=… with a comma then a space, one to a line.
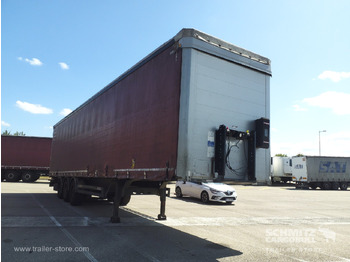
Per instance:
x=66, y=188
x=326, y=186
x=178, y=192
x=74, y=197
x=12, y=176
x=205, y=197
x=60, y=188
x=344, y=186
x=28, y=177
x=335, y=185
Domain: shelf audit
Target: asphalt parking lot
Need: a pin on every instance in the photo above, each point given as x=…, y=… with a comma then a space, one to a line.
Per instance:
x=265, y=224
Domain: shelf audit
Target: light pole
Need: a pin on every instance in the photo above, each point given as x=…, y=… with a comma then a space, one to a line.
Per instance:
x=319, y=140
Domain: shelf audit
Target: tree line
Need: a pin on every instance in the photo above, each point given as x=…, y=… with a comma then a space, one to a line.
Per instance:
x=8, y=133
x=285, y=155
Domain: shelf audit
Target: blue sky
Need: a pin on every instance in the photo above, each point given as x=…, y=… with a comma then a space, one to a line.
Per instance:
x=57, y=54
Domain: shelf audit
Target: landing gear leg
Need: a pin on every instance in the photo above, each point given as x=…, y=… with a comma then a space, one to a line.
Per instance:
x=162, y=193
x=117, y=198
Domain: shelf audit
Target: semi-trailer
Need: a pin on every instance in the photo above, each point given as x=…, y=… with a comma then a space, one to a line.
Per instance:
x=159, y=121
x=24, y=158
x=281, y=169
x=321, y=172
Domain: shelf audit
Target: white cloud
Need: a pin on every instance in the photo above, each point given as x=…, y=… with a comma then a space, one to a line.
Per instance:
x=299, y=108
x=65, y=111
x=63, y=66
x=338, y=102
x=334, y=76
x=33, y=108
x=3, y=123
x=33, y=61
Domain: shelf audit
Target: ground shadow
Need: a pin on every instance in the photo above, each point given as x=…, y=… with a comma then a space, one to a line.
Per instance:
x=44, y=181
x=318, y=189
x=198, y=201
x=277, y=184
x=137, y=238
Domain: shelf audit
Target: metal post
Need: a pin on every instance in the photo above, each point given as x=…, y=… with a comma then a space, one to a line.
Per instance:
x=319, y=141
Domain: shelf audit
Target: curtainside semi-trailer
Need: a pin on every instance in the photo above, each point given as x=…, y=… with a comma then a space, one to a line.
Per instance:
x=325, y=172
x=158, y=121
x=24, y=158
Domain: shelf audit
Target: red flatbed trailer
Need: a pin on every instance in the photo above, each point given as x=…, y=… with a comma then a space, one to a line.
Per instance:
x=24, y=158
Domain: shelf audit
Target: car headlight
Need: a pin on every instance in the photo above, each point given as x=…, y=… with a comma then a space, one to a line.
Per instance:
x=214, y=191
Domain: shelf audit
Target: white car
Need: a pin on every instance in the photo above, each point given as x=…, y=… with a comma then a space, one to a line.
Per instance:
x=206, y=191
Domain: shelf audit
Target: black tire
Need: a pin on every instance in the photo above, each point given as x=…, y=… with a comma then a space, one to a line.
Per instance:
x=60, y=188
x=335, y=185
x=66, y=189
x=204, y=197
x=326, y=186
x=12, y=176
x=75, y=198
x=344, y=186
x=28, y=177
x=313, y=186
x=178, y=192
x=125, y=200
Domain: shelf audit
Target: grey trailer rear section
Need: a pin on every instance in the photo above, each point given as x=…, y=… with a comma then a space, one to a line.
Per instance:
x=321, y=172
x=221, y=84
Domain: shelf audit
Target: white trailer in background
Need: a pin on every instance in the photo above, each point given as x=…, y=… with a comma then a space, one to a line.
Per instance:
x=281, y=169
x=323, y=172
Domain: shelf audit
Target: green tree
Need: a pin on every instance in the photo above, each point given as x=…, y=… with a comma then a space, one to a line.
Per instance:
x=299, y=155
x=19, y=133
x=281, y=155
x=8, y=133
